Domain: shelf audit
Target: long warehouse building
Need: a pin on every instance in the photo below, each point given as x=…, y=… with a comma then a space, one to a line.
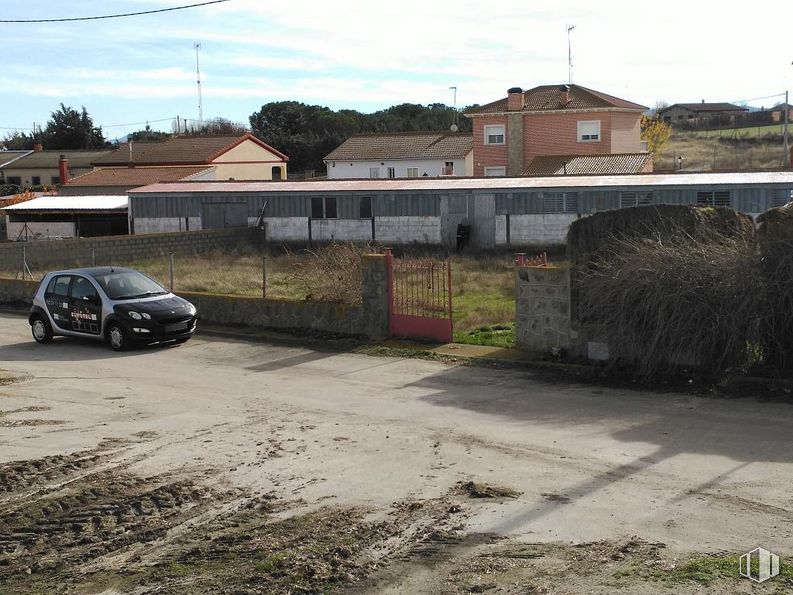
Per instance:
x=500, y=211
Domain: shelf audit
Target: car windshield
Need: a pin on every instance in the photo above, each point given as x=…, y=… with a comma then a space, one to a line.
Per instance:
x=128, y=285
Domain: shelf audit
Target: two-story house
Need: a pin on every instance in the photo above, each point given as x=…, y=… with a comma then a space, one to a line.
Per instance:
x=556, y=123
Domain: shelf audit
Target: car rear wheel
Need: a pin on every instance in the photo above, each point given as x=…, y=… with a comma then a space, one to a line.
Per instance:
x=117, y=337
x=41, y=329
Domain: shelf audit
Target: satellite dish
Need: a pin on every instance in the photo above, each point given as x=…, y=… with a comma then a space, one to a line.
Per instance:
x=454, y=127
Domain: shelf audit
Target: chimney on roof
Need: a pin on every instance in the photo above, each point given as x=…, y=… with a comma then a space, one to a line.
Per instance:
x=515, y=99
x=703, y=101
x=38, y=147
x=63, y=169
x=564, y=95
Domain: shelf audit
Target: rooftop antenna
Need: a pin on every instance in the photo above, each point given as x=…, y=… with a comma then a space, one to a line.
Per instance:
x=569, y=56
x=197, y=47
x=455, y=127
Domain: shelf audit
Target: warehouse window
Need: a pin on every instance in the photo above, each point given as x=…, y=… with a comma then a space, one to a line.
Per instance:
x=323, y=208
x=560, y=202
x=365, y=207
x=718, y=198
x=635, y=199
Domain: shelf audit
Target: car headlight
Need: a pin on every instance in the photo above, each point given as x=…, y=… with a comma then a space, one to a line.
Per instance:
x=134, y=315
x=146, y=316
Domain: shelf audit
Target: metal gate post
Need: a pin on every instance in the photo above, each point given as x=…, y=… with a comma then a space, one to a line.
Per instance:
x=389, y=259
x=449, y=289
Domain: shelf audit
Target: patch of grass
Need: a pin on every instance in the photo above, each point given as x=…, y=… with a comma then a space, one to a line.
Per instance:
x=497, y=335
x=706, y=569
x=713, y=152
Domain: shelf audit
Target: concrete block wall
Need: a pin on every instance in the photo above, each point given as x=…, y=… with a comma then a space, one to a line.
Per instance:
x=42, y=230
x=348, y=230
x=48, y=254
x=534, y=230
x=407, y=230
x=16, y=292
x=145, y=225
x=542, y=309
x=286, y=229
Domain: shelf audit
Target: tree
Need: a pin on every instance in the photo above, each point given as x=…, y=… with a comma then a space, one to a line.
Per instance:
x=17, y=141
x=70, y=129
x=656, y=132
x=148, y=135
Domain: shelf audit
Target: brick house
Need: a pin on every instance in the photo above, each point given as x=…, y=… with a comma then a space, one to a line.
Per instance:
x=552, y=120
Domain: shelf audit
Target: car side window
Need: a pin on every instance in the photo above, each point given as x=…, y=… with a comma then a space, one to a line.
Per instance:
x=59, y=286
x=83, y=289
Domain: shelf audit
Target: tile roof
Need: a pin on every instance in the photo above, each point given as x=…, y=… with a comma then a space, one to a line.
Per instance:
x=10, y=156
x=135, y=176
x=613, y=164
x=183, y=150
x=706, y=107
x=547, y=98
x=50, y=159
x=73, y=203
x=403, y=145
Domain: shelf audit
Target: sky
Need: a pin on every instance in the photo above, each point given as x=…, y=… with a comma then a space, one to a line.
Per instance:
x=368, y=55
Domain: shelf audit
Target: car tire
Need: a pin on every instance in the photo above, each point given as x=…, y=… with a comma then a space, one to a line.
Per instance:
x=41, y=329
x=117, y=337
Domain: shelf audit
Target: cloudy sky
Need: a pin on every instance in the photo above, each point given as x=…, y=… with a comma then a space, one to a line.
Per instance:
x=367, y=55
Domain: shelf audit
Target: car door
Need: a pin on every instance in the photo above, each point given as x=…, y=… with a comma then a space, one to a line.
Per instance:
x=56, y=298
x=85, y=307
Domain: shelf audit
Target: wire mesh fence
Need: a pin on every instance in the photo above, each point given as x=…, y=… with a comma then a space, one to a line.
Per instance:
x=331, y=274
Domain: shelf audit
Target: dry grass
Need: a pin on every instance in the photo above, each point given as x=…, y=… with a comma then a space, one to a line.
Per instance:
x=721, y=153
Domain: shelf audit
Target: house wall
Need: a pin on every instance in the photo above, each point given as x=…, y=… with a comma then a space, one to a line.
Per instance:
x=626, y=132
x=248, y=161
x=360, y=169
x=487, y=155
x=552, y=133
x=46, y=174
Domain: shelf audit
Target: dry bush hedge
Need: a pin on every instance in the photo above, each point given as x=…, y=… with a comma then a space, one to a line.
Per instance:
x=669, y=286
x=681, y=302
x=330, y=274
x=775, y=240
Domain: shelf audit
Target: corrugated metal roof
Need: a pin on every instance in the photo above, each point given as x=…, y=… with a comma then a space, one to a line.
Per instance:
x=611, y=164
x=457, y=184
x=404, y=145
x=73, y=203
x=547, y=98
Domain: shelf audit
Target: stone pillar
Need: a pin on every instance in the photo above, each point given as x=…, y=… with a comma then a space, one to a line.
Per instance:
x=514, y=134
x=542, y=309
x=374, y=293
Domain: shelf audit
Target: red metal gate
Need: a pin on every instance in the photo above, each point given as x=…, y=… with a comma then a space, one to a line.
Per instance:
x=420, y=298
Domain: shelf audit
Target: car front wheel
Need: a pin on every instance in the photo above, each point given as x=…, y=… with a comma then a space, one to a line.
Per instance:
x=41, y=329
x=117, y=337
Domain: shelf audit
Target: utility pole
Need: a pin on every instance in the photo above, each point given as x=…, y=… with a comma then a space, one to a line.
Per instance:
x=455, y=127
x=197, y=46
x=787, y=160
x=569, y=56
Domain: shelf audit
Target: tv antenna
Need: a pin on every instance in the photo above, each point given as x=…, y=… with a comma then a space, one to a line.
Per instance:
x=455, y=127
x=197, y=47
x=569, y=56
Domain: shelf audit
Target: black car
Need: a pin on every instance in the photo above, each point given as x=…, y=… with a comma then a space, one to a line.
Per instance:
x=122, y=306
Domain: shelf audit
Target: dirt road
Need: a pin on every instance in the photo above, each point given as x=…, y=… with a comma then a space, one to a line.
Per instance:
x=227, y=466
